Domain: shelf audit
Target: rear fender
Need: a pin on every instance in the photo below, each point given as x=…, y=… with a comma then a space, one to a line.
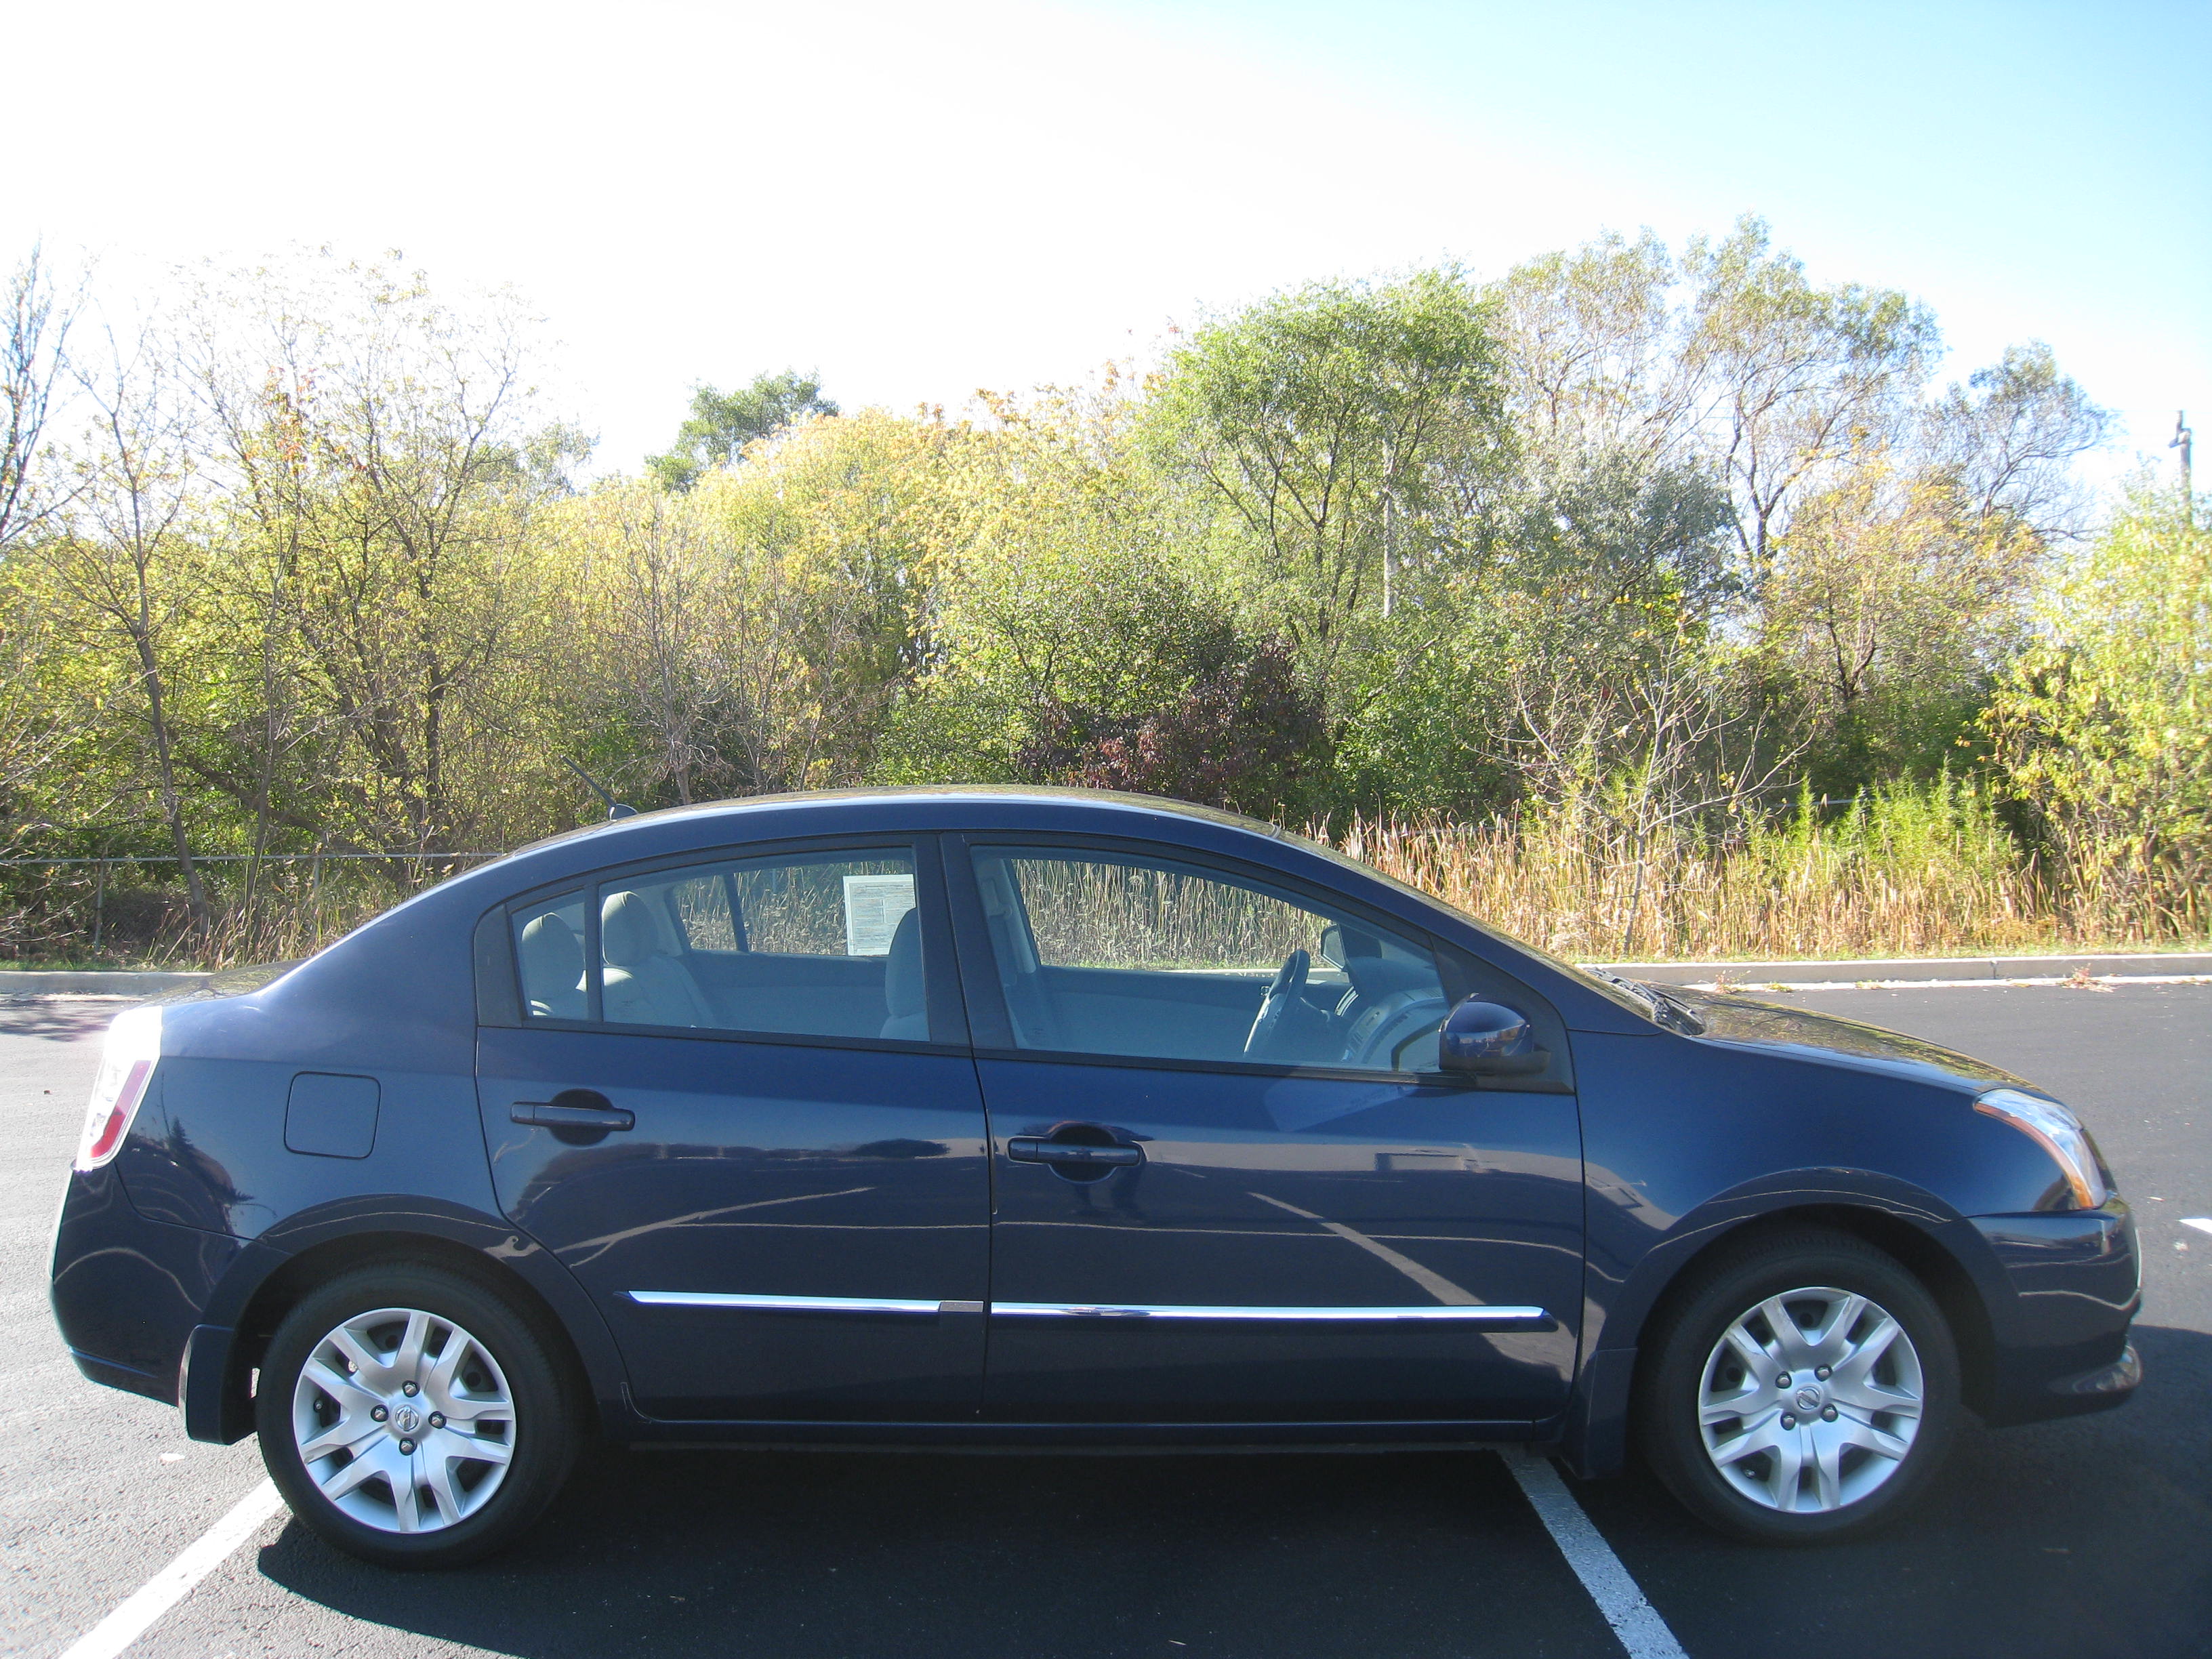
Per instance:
x=273, y=1270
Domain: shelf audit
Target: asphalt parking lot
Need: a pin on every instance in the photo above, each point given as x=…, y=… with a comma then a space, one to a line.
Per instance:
x=2083, y=1539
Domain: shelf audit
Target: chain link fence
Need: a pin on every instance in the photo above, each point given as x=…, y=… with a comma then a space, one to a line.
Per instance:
x=133, y=909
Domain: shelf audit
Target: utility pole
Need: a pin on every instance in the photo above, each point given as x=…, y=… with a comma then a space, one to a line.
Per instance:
x=2182, y=436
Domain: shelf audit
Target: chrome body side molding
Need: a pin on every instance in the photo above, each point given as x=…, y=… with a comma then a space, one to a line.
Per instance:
x=1505, y=1318
x=1481, y=1317
x=844, y=1304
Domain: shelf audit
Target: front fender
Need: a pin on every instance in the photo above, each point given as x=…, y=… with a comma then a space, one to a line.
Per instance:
x=1624, y=1290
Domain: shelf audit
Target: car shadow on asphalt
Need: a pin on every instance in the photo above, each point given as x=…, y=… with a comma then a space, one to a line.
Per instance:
x=2082, y=1538
x=64, y=1019
x=922, y=1554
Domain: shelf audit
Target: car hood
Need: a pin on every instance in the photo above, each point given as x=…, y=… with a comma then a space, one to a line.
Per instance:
x=1744, y=1023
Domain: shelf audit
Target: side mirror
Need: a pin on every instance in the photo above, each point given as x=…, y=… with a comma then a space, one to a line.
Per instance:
x=1487, y=1039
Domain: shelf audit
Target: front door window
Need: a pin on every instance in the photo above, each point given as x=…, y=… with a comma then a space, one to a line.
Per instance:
x=1109, y=954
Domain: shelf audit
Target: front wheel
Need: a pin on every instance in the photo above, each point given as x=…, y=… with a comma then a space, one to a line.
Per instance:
x=1803, y=1391
x=411, y=1418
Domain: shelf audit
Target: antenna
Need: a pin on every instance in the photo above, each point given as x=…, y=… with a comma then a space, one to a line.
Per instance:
x=615, y=809
x=2182, y=436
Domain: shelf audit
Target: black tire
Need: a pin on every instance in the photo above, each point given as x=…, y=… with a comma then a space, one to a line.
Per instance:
x=1673, y=1378
x=541, y=1439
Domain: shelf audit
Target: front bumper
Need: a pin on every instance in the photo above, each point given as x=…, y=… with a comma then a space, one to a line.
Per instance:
x=2102, y=1385
x=2060, y=1339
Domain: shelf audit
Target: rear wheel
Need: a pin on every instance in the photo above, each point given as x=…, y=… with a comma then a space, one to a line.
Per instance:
x=1803, y=1390
x=412, y=1418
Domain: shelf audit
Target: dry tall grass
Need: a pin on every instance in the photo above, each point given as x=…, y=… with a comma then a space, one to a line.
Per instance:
x=1912, y=873
x=136, y=920
x=1916, y=874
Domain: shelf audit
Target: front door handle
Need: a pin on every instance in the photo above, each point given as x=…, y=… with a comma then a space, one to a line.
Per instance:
x=574, y=1109
x=1028, y=1149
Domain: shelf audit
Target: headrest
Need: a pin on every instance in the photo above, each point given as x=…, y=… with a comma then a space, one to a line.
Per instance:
x=627, y=935
x=902, y=982
x=552, y=956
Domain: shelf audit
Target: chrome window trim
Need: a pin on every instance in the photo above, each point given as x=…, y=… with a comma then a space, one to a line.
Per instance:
x=1516, y=1318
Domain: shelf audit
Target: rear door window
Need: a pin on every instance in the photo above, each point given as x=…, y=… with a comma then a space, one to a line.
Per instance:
x=825, y=943
x=810, y=943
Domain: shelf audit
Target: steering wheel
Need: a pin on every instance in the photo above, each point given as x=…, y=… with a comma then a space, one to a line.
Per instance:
x=1289, y=979
x=1389, y=1025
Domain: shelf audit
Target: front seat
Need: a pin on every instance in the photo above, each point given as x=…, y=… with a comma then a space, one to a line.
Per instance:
x=905, y=1006
x=644, y=983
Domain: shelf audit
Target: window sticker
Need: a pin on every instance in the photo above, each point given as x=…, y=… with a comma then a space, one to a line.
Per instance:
x=873, y=908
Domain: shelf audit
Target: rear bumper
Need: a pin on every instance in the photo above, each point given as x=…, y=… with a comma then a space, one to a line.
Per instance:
x=127, y=1292
x=2060, y=1340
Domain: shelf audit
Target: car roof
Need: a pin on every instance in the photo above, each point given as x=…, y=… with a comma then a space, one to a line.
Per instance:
x=883, y=803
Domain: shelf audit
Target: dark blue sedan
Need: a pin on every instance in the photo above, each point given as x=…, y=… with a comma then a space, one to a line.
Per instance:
x=987, y=1116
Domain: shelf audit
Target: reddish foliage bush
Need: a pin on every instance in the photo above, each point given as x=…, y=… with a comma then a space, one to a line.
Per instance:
x=1240, y=736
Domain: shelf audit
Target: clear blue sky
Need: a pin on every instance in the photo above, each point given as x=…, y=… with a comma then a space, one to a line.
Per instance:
x=924, y=200
x=2029, y=169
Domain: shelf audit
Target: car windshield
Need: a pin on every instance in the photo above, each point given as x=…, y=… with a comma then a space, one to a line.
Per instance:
x=1639, y=998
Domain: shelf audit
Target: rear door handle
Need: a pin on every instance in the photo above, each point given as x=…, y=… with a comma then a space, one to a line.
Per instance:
x=573, y=1109
x=1028, y=1149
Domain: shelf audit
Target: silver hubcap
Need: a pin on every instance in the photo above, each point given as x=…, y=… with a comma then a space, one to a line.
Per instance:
x=1810, y=1400
x=403, y=1420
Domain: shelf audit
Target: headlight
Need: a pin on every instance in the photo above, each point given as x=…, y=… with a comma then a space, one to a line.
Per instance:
x=126, y=1066
x=2059, y=1132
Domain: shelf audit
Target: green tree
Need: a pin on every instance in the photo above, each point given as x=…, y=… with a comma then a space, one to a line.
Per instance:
x=34, y=325
x=749, y=635
x=1797, y=376
x=2104, y=727
x=1342, y=424
x=127, y=553
x=1728, y=360
x=1591, y=348
x=1891, y=607
x=1081, y=630
x=723, y=424
x=1115, y=670
x=2007, y=439
x=386, y=489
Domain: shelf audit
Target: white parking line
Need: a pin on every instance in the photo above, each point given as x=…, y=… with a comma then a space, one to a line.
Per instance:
x=175, y=1582
x=2200, y=1223
x=1642, y=1631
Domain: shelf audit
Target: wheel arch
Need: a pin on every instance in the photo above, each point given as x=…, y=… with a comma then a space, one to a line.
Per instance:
x=1941, y=1249
x=540, y=1290
x=1945, y=1277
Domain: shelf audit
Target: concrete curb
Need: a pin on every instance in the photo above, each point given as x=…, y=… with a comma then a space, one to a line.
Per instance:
x=96, y=982
x=1913, y=969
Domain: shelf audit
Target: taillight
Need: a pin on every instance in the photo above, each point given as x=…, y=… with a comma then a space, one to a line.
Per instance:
x=126, y=1066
